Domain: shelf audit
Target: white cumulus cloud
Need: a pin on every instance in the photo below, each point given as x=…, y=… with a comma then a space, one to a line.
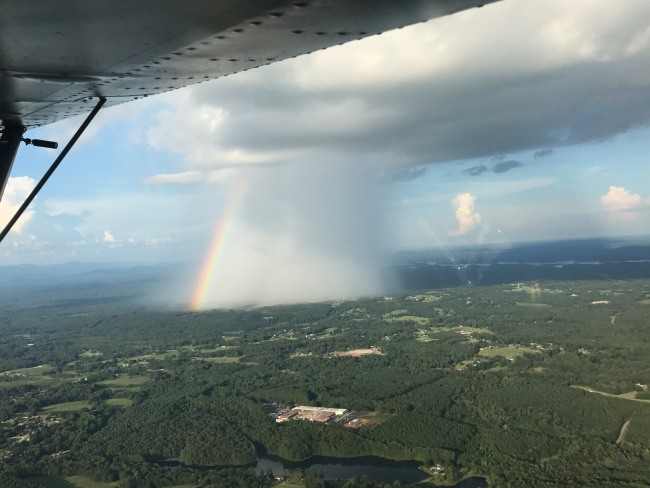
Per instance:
x=467, y=218
x=108, y=237
x=16, y=191
x=618, y=198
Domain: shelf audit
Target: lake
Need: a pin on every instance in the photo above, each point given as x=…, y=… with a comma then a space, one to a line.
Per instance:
x=377, y=469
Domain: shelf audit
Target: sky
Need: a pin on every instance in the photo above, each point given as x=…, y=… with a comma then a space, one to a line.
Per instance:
x=518, y=121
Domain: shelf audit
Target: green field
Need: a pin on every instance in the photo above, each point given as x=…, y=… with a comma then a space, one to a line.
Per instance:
x=404, y=318
x=630, y=395
x=506, y=351
x=90, y=354
x=292, y=483
x=221, y=360
x=377, y=417
x=162, y=355
x=216, y=349
x=460, y=328
x=67, y=407
x=119, y=402
x=56, y=482
x=31, y=372
x=530, y=304
x=125, y=381
x=34, y=380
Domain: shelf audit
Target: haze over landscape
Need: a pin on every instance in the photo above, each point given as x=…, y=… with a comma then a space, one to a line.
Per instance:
x=515, y=122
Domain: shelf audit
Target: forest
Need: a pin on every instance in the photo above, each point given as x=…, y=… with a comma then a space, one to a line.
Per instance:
x=526, y=384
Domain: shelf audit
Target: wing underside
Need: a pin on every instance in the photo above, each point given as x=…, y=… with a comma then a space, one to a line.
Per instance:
x=55, y=57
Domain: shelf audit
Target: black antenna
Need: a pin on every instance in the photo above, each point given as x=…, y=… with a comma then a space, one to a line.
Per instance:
x=41, y=143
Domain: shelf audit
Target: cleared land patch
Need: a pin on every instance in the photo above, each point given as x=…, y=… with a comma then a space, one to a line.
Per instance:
x=162, y=355
x=460, y=329
x=220, y=360
x=377, y=418
x=405, y=318
x=506, y=351
x=67, y=407
x=292, y=483
x=125, y=381
x=216, y=349
x=30, y=372
x=530, y=304
x=630, y=395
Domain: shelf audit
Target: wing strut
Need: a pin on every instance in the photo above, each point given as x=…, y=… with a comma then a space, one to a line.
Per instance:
x=14, y=141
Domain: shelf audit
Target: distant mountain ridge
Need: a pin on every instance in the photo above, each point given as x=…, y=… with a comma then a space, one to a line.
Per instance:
x=75, y=273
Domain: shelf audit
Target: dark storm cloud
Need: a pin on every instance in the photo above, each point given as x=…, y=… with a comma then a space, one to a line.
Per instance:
x=557, y=109
x=562, y=75
x=500, y=167
x=543, y=153
x=476, y=170
x=505, y=166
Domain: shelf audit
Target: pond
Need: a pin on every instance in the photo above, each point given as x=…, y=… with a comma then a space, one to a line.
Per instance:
x=377, y=469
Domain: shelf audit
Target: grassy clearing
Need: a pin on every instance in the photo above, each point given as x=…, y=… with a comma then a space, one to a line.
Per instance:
x=36, y=371
x=45, y=380
x=530, y=304
x=645, y=302
x=355, y=311
x=506, y=351
x=216, y=349
x=125, y=381
x=90, y=354
x=443, y=481
x=460, y=328
x=221, y=360
x=53, y=482
x=163, y=355
x=80, y=482
x=119, y=402
x=494, y=369
x=84, y=482
x=404, y=318
x=376, y=417
x=630, y=395
x=292, y=483
x=67, y=407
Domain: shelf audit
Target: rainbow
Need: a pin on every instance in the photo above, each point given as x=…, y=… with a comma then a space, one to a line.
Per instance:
x=215, y=251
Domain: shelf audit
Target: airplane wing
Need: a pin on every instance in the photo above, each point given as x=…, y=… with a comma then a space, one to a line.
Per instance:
x=55, y=56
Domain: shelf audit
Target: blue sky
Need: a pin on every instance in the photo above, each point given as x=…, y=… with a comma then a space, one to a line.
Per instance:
x=518, y=121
